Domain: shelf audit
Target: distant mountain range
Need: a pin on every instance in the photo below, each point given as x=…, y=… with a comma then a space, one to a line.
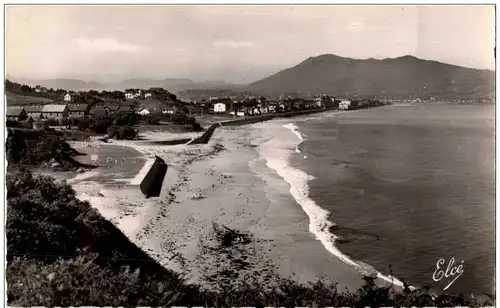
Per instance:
x=171, y=84
x=402, y=77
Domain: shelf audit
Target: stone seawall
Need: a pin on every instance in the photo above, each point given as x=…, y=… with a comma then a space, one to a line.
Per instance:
x=205, y=138
x=267, y=117
x=153, y=181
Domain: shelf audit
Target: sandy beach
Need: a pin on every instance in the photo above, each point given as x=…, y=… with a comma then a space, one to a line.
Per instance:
x=224, y=183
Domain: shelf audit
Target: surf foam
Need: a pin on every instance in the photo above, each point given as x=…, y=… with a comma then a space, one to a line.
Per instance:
x=276, y=155
x=297, y=133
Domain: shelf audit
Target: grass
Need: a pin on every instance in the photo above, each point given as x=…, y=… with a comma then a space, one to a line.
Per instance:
x=22, y=100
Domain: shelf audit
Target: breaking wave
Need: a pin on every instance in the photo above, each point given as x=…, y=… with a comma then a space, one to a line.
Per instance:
x=277, y=152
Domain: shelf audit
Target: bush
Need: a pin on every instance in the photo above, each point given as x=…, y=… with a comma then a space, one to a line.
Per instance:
x=126, y=118
x=34, y=148
x=84, y=124
x=154, y=118
x=197, y=127
x=101, y=124
x=83, y=253
x=122, y=132
x=182, y=119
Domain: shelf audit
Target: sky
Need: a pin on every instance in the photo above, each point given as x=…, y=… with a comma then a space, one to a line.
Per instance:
x=238, y=44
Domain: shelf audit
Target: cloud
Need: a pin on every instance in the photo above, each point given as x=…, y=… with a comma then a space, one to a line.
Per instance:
x=106, y=45
x=232, y=44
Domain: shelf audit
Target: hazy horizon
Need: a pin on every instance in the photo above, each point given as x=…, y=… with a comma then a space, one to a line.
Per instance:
x=236, y=44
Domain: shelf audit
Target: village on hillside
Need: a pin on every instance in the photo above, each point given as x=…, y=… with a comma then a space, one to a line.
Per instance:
x=41, y=107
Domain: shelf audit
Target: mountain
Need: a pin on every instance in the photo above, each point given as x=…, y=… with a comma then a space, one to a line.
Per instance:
x=171, y=84
x=60, y=83
x=401, y=77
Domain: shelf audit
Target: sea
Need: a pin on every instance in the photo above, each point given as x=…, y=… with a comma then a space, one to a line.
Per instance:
x=407, y=190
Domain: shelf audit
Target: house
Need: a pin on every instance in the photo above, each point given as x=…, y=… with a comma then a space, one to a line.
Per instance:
x=238, y=113
x=144, y=112
x=78, y=110
x=148, y=95
x=56, y=112
x=67, y=97
x=344, y=105
x=310, y=104
x=16, y=114
x=263, y=110
x=129, y=95
x=219, y=107
x=34, y=111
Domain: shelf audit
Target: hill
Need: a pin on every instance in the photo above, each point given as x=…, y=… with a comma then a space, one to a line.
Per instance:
x=61, y=83
x=401, y=77
x=14, y=99
x=172, y=84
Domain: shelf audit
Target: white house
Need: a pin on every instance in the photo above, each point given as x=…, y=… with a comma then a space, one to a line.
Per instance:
x=219, y=107
x=344, y=105
x=264, y=110
x=147, y=95
x=67, y=97
x=169, y=110
x=239, y=113
x=144, y=112
x=132, y=95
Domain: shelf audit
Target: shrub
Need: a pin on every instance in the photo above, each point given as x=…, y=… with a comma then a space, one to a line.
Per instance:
x=84, y=124
x=126, y=118
x=34, y=148
x=154, y=118
x=182, y=119
x=122, y=132
x=101, y=124
x=197, y=127
x=127, y=132
x=114, y=131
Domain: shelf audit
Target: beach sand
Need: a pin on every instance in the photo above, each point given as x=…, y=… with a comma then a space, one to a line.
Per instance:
x=204, y=185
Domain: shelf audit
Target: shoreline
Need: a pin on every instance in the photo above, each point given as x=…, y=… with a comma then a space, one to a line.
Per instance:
x=150, y=224
x=320, y=225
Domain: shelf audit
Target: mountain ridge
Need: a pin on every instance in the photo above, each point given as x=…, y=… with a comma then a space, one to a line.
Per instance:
x=400, y=77
x=405, y=76
x=171, y=84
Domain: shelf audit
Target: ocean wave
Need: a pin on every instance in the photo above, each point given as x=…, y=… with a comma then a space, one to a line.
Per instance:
x=276, y=153
x=295, y=130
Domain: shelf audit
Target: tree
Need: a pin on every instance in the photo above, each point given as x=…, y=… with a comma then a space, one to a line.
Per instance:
x=25, y=88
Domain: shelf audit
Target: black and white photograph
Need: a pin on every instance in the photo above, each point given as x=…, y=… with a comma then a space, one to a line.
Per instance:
x=250, y=155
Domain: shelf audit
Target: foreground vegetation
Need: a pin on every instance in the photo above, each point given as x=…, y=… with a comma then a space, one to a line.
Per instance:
x=62, y=252
x=26, y=148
